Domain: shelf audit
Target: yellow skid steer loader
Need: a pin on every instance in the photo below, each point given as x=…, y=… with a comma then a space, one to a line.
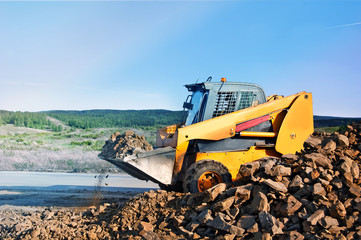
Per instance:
x=227, y=124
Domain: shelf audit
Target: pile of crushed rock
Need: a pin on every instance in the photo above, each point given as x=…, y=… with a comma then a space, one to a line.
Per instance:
x=121, y=145
x=315, y=194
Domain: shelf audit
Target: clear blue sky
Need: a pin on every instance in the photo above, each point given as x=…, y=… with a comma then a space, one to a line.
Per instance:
x=139, y=54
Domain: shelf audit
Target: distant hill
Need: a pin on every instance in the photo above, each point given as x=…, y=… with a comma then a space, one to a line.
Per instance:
x=120, y=118
x=117, y=118
x=142, y=118
x=328, y=121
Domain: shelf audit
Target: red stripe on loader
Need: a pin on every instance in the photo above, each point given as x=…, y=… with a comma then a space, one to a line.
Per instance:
x=252, y=123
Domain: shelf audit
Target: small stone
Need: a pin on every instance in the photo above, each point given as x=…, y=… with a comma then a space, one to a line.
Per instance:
x=267, y=166
x=177, y=220
x=315, y=174
x=328, y=177
x=35, y=233
x=348, y=203
x=327, y=222
x=341, y=140
x=357, y=204
x=247, y=169
x=73, y=224
x=294, y=235
x=162, y=225
x=219, y=223
x=280, y=170
x=150, y=235
x=253, y=229
x=129, y=133
x=291, y=206
x=319, y=159
x=290, y=158
x=348, y=178
x=18, y=227
x=92, y=235
x=225, y=237
x=329, y=145
x=352, y=138
x=323, y=182
x=212, y=193
x=185, y=231
x=318, y=190
x=346, y=164
x=242, y=194
x=312, y=141
x=236, y=230
x=192, y=226
x=352, y=153
x=349, y=221
x=278, y=186
x=259, y=203
x=270, y=223
x=355, y=190
x=200, y=197
x=223, y=205
x=296, y=184
x=246, y=221
x=313, y=219
x=264, y=236
x=202, y=207
x=102, y=208
x=335, y=230
x=336, y=182
x=355, y=170
x=204, y=217
x=338, y=210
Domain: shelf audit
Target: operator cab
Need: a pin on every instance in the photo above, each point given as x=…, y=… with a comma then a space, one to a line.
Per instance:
x=212, y=99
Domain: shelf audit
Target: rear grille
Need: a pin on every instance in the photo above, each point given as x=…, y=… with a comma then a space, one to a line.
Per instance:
x=225, y=103
x=247, y=100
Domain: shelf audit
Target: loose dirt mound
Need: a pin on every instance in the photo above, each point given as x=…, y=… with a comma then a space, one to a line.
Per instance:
x=312, y=195
x=121, y=145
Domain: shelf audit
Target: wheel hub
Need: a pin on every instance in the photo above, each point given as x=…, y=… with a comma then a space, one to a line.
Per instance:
x=208, y=180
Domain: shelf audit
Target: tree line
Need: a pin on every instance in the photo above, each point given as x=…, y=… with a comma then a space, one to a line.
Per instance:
x=29, y=120
x=117, y=118
x=92, y=118
x=335, y=122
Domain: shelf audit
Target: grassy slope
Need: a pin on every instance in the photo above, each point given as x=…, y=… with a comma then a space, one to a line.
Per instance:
x=71, y=151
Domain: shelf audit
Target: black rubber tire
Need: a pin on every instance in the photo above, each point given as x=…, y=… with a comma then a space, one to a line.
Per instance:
x=195, y=171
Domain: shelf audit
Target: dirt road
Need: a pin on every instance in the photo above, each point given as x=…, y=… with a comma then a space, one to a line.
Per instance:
x=28, y=189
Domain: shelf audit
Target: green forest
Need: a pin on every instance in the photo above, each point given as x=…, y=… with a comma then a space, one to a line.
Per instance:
x=145, y=119
x=117, y=118
x=92, y=119
x=28, y=119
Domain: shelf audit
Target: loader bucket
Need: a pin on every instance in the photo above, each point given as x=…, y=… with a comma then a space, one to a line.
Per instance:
x=156, y=165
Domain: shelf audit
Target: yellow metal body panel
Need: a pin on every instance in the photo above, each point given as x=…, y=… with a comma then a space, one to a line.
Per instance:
x=296, y=126
x=292, y=122
x=224, y=126
x=180, y=153
x=233, y=160
x=277, y=119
